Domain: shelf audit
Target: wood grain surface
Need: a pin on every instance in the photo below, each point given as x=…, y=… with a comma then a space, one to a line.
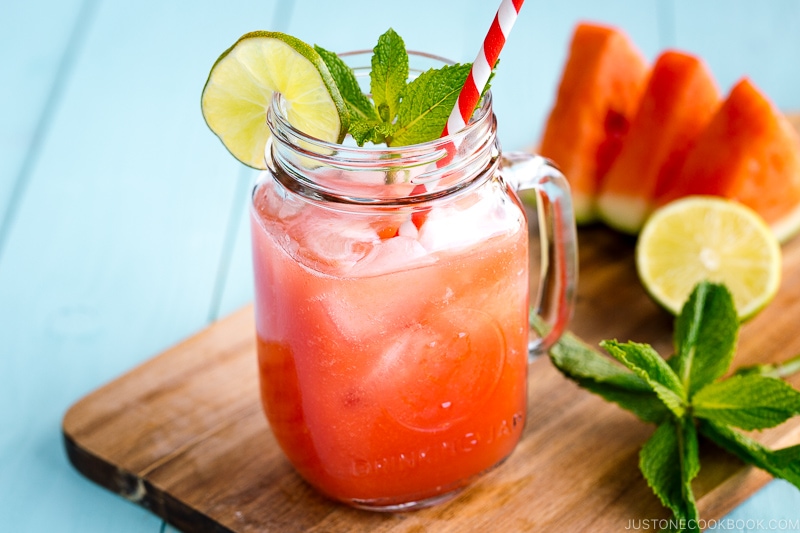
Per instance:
x=184, y=436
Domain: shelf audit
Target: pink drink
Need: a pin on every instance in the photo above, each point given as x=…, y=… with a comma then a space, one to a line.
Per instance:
x=392, y=301
x=394, y=369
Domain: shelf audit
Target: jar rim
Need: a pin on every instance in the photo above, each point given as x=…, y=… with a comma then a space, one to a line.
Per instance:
x=435, y=148
x=447, y=161
x=411, y=53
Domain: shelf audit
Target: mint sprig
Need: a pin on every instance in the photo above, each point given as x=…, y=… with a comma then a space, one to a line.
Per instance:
x=399, y=112
x=359, y=106
x=686, y=397
x=705, y=337
x=669, y=461
x=747, y=402
x=783, y=463
x=645, y=362
x=389, y=74
x=427, y=103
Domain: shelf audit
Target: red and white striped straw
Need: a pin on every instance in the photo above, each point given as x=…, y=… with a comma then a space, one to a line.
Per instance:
x=470, y=93
x=482, y=66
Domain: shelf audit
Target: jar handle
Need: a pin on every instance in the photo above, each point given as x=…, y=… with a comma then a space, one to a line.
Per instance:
x=558, y=238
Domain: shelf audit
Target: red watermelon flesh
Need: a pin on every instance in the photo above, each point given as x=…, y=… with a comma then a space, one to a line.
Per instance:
x=678, y=102
x=750, y=153
x=598, y=94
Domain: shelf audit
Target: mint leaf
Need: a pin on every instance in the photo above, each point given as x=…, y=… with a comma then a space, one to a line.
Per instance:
x=645, y=362
x=644, y=404
x=705, y=336
x=360, y=107
x=690, y=456
x=606, y=378
x=373, y=131
x=748, y=402
x=787, y=458
x=575, y=357
x=427, y=103
x=784, y=464
x=773, y=370
x=389, y=74
x=673, y=443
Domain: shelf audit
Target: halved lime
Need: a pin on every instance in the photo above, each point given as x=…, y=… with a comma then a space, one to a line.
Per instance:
x=241, y=83
x=700, y=238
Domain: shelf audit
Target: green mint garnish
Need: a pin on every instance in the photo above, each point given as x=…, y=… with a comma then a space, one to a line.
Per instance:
x=782, y=370
x=674, y=444
x=685, y=396
x=399, y=112
x=598, y=374
x=784, y=463
x=645, y=362
x=705, y=337
x=427, y=104
x=747, y=402
x=388, y=75
x=359, y=106
x=374, y=131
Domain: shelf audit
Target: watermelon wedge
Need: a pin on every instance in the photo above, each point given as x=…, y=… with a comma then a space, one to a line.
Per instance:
x=597, y=96
x=678, y=102
x=749, y=153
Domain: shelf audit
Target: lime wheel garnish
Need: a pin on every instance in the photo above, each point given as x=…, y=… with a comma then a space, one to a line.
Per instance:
x=241, y=84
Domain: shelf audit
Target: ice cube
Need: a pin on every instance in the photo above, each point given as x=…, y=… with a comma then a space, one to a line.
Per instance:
x=331, y=245
x=455, y=227
x=392, y=255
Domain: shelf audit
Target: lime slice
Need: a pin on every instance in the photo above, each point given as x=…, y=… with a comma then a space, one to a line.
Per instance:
x=701, y=238
x=241, y=83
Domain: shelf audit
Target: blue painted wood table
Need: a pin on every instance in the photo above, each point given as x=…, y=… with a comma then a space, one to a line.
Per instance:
x=122, y=218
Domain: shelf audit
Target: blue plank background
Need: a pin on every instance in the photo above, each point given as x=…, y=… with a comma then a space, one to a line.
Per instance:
x=32, y=81
x=738, y=39
x=123, y=220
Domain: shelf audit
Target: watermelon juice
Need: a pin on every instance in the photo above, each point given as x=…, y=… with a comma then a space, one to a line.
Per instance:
x=392, y=302
x=393, y=369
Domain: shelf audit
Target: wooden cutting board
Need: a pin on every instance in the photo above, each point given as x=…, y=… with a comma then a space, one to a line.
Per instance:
x=184, y=435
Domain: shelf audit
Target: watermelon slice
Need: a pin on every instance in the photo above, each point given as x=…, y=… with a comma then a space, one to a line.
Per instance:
x=598, y=94
x=678, y=102
x=749, y=153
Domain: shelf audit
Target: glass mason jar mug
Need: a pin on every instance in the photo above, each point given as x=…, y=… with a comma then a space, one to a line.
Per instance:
x=392, y=306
